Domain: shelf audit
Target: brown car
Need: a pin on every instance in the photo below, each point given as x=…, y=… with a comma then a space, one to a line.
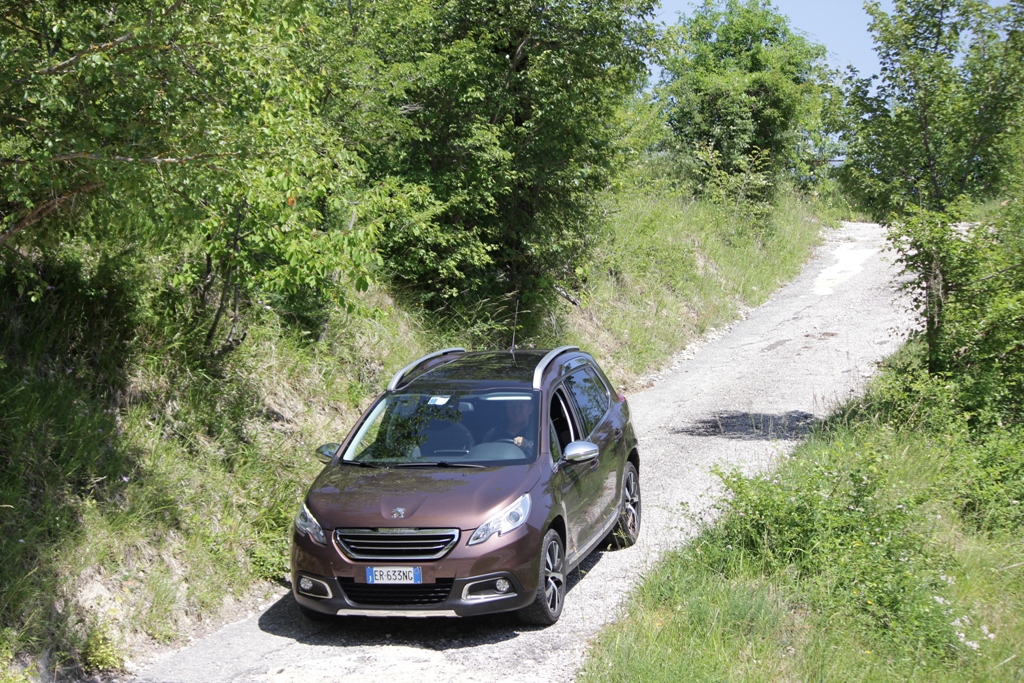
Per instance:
x=473, y=485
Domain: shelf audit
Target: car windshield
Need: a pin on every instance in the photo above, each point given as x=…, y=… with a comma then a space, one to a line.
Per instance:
x=449, y=429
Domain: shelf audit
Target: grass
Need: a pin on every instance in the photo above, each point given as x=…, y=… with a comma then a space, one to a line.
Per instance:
x=145, y=484
x=669, y=268
x=869, y=555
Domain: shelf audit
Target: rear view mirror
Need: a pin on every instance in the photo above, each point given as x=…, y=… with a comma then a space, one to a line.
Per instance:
x=325, y=453
x=581, y=451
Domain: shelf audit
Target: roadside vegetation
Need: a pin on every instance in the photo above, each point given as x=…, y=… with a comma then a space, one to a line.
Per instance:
x=886, y=548
x=889, y=546
x=224, y=225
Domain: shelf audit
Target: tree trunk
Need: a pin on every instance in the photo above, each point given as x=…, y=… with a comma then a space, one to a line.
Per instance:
x=220, y=309
x=935, y=294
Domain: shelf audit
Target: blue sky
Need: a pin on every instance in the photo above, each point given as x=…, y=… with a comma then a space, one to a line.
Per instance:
x=839, y=25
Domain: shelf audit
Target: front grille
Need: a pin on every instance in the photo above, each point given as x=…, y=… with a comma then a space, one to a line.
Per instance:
x=396, y=544
x=397, y=595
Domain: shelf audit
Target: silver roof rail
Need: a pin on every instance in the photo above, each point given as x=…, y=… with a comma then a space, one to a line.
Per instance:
x=546, y=360
x=393, y=384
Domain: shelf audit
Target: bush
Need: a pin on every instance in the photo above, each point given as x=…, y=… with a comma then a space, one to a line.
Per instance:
x=989, y=488
x=100, y=653
x=855, y=549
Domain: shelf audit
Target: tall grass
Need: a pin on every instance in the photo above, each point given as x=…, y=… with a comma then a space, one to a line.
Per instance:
x=668, y=267
x=872, y=554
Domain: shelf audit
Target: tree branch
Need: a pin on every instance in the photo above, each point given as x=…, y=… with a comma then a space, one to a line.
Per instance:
x=220, y=308
x=976, y=282
x=45, y=209
x=120, y=40
x=18, y=26
x=8, y=11
x=84, y=53
x=156, y=161
x=923, y=121
x=567, y=296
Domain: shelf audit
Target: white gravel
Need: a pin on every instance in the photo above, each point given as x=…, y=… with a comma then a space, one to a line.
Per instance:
x=742, y=397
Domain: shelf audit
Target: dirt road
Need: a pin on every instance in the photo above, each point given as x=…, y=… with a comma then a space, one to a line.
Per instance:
x=743, y=398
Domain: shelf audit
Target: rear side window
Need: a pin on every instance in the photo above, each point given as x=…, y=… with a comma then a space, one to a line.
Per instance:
x=591, y=396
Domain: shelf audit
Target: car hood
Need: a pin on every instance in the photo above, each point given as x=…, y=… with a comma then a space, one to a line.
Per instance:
x=353, y=497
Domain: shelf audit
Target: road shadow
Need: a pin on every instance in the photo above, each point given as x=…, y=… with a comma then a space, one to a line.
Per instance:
x=284, y=619
x=744, y=426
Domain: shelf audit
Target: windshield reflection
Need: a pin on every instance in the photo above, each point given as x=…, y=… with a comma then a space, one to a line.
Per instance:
x=446, y=429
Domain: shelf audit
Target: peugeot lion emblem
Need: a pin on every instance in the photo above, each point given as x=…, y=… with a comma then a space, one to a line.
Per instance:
x=398, y=513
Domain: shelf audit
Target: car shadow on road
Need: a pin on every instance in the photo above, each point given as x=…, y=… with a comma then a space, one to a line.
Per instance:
x=731, y=424
x=431, y=633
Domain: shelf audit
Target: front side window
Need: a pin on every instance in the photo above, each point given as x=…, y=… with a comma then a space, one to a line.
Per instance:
x=486, y=428
x=556, y=447
x=563, y=425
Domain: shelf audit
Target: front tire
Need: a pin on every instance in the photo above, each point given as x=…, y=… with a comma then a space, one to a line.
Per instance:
x=627, y=530
x=550, y=598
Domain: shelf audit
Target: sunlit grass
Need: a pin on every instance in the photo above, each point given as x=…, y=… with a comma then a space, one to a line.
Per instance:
x=848, y=563
x=669, y=268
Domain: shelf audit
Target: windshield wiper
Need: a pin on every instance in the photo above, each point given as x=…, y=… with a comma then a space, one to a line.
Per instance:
x=439, y=463
x=358, y=463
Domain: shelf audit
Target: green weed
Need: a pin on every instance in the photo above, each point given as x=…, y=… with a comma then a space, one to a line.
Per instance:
x=668, y=268
x=101, y=654
x=887, y=548
x=12, y=675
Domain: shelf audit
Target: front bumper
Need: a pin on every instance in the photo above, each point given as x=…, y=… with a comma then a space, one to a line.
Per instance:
x=463, y=583
x=466, y=597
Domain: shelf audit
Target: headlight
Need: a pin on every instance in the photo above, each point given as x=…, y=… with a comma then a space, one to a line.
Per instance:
x=512, y=517
x=306, y=523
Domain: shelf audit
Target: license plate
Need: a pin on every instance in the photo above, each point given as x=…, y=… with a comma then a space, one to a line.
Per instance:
x=394, y=575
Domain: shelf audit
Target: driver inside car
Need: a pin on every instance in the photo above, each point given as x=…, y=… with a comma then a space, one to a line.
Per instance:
x=519, y=415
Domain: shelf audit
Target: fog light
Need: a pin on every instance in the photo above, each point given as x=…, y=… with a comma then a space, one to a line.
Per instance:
x=305, y=584
x=502, y=585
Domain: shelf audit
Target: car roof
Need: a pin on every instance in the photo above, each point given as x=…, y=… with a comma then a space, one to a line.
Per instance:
x=480, y=370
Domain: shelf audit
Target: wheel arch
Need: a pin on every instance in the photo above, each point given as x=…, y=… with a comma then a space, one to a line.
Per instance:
x=634, y=457
x=558, y=524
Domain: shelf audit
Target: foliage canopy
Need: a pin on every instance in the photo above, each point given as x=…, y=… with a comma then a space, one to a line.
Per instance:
x=737, y=78
x=942, y=119
x=510, y=109
x=294, y=147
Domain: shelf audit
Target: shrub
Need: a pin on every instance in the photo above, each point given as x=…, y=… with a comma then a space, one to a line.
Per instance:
x=100, y=653
x=855, y=550
x=989, y=488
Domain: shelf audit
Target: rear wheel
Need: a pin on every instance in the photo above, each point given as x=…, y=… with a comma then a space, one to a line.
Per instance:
x=627, y=530
x=547, y=604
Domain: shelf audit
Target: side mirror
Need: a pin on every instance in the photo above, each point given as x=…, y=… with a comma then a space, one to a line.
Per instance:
x=581, y=451
x=325, y=453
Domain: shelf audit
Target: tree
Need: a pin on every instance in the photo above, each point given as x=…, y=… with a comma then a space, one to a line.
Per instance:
x=191, y=125
x=941, y=120
x=938, y=131
x=511, y=105
x=737, y=79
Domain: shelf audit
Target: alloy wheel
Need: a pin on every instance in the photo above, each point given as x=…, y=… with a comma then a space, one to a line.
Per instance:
x=631, y=502
x=554, y=579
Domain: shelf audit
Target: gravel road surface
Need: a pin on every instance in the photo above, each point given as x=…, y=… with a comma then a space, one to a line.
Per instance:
x=743, y=397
